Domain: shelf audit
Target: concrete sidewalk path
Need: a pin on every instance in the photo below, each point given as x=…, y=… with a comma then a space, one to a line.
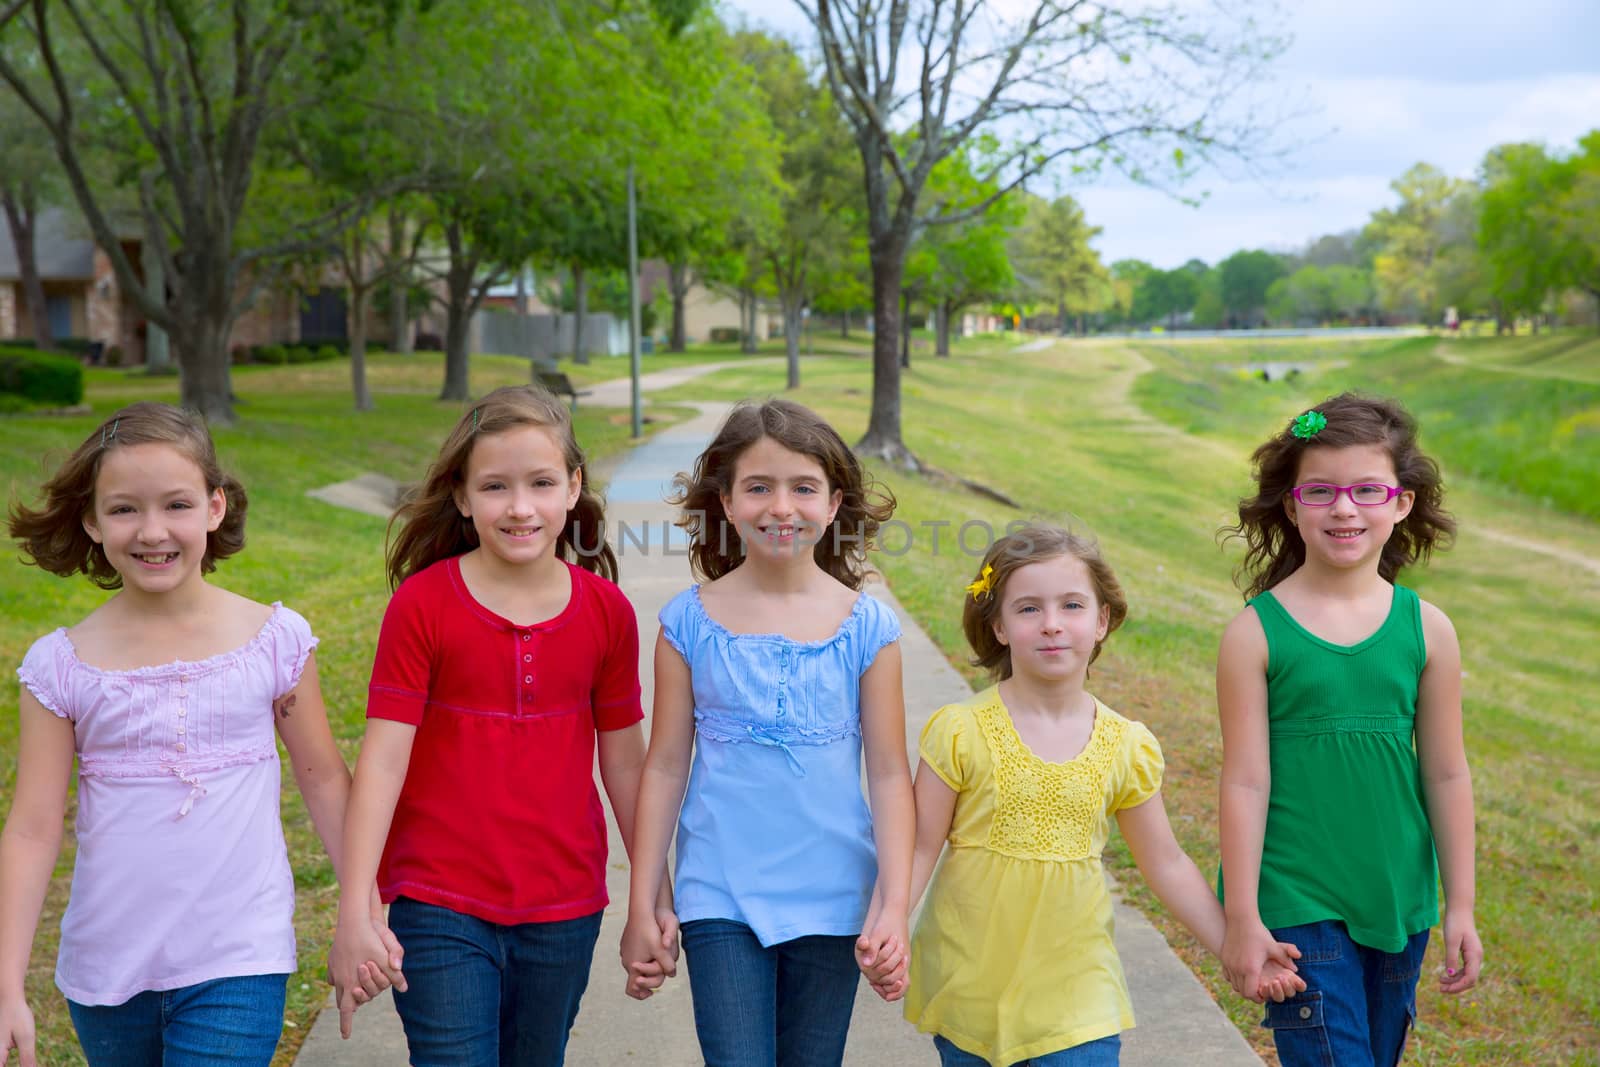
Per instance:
x=1179, y=1022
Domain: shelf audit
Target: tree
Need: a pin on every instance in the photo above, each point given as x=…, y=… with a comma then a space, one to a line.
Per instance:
x=186, y=89
x=1516, y=244
x=1166, y=294
x=917, y=79
x=1056, y=261
x=1245, y=277
x=1407, y=240
x=1573, y=215
x=29, y=181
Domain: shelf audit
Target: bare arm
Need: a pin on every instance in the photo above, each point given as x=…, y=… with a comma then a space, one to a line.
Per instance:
x=380, y=773
x=319, y=769
x=645, y=953
x=1447, y=791
x=1246, y=786
x=29, y=845
x=885, y=938
x=936, y=810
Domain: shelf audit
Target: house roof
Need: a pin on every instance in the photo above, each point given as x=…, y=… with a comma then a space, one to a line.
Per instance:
x=62, y=245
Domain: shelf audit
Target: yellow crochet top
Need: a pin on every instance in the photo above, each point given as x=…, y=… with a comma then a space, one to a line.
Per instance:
x=1012, y=956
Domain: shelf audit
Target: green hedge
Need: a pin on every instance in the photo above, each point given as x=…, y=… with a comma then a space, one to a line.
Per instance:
x=40, y=378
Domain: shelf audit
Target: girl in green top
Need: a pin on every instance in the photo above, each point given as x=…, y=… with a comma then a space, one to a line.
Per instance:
x=1343, y=765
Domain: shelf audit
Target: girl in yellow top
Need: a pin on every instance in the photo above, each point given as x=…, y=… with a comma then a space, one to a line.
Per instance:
x=1012, y=960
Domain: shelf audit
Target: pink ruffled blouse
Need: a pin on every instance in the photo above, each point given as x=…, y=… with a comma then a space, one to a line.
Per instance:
x=182, y=873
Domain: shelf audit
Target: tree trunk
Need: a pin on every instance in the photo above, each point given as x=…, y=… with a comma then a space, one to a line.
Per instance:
x=905, y=330
x=942, y=312
x=458, y=316
x=360, y=298
x=399, y=285
x=748, y=310
x=21, y=216
x=791, y=337
x=206, y=381
x=882, y=439
x=844, y=325
x=678, y=286
x=157, y=351
x=580, y=308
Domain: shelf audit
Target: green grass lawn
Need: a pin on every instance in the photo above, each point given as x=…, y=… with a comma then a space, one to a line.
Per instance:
x=1149, y=449
x=296, y=432
x=1145, y=446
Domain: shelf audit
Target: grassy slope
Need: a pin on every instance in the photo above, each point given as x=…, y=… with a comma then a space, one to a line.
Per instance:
x=1151, y=462
x=296, y=432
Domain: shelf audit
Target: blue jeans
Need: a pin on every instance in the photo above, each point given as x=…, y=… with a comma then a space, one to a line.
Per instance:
x=223, y=1021
x=1102, y=1052
x=753, y=1007
x=1359, y=1003
x=480, y=994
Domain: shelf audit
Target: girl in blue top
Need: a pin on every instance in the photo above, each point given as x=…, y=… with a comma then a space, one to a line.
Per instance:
x=770, y=681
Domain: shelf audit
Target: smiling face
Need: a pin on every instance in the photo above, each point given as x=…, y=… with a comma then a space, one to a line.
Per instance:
x=1344, y=535
x=1050, y=619
x=517, y=492
x=780, y=501
x=153, y=515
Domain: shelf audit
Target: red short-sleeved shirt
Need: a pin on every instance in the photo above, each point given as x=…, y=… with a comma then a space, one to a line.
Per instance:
x=499, y=816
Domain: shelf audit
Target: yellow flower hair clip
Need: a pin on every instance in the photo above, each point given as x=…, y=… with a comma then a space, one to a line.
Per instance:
x=985, y=583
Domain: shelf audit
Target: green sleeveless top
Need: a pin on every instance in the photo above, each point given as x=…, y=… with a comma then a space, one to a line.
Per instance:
x=1347, y=833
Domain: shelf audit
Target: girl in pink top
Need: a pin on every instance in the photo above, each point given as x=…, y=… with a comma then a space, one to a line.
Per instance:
x=178, y=937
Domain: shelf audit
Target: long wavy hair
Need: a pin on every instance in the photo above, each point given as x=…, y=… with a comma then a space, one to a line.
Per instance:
x=431, y=526
x=1274, y=548
x=52, y=536
x=715, y=545
x=1033, y=543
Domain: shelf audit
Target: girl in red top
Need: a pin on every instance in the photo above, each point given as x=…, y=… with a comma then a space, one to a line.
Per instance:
x=506, y=655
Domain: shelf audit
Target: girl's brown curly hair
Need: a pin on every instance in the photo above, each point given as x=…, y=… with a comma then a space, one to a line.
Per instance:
x=715, y=545
x=1273, y=546
x=431, y=526
x=52, y=536
x=1022, y=545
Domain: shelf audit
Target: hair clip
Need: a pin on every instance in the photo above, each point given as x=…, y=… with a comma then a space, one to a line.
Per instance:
x=1308, y=425
x=107, y=436
x=474, y=420
x=985, y=583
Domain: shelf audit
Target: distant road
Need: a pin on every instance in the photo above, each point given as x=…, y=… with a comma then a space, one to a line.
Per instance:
x=1309, y=331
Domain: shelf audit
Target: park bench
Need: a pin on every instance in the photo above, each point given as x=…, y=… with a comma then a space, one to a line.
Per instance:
x=558, y=383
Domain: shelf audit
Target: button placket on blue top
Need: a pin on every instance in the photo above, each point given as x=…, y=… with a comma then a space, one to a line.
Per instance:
x=783, y=679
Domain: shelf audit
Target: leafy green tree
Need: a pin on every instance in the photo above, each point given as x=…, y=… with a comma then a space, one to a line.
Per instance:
x=196, y=88
x=1516, y=244
x=1244, y=278
x=1573, y=215
x=1408, y=239
x=1144, y=89
x=1056, y=261
x=1166, y=294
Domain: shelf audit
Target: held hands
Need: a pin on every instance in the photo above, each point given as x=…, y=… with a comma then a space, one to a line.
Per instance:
x=882, y=952
x=650, y=951
x=1463, y=952
x=365, y=960
x=17, y=1032
x=1258, y=966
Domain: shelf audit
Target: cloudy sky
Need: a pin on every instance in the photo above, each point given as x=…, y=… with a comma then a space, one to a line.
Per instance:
x=1391, y=83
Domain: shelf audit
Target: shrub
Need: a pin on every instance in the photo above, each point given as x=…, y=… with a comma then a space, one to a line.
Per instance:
x=41, y=378
x=239, y=354
x=301, y=354
x=327, y=352
x=428, y=342
x=272, y=354
x=724, y=334
x=114, y=356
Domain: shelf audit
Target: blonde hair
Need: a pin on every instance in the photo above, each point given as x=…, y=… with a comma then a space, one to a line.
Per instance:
x=1033, y=543
x=431, y=526
x=52, y=536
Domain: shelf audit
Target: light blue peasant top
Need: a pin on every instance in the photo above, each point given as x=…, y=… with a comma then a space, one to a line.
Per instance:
x=774, y=831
